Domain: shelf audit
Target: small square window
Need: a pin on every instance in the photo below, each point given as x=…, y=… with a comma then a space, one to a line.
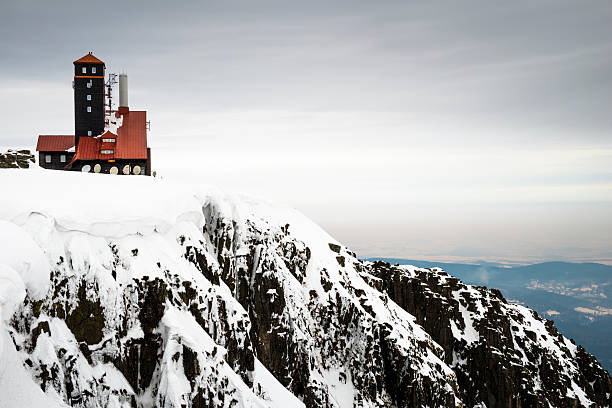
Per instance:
x=89, y=84
x=89, y=97
x=63, y=158
x=89, y=109
x=93, y=70
x=89, y=133
x=84, y=70
x=47, y=158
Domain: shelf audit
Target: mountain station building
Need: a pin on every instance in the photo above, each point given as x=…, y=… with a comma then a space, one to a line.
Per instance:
x=104, y=140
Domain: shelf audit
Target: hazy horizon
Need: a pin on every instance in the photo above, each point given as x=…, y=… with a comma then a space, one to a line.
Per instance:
x=429, y=131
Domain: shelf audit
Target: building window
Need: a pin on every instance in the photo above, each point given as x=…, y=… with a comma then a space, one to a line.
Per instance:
x=93, y=70
x=63, y=158
x=107, y=151
x=108, y=140
x=89, y=109
x=84, y=70
x=89, y=97
x=89, y=84
x=89, y=133
x=47, y=158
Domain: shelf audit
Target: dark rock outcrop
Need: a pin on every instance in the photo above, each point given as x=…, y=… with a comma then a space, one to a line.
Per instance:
x=16, y=159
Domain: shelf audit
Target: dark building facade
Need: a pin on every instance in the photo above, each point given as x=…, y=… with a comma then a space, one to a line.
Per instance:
x=88, y=97
x=55, y=160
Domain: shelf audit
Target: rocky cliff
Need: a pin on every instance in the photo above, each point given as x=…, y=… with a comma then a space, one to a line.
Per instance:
x=193, y=298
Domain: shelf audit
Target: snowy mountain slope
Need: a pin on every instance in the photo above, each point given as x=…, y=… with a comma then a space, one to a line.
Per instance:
x=578, y=296
x=519, y=355
x=171, y=295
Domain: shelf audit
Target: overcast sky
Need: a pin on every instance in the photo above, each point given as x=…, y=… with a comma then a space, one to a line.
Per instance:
x=428, y=130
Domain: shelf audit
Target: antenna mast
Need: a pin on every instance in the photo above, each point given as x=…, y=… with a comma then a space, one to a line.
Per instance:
x=112, y=80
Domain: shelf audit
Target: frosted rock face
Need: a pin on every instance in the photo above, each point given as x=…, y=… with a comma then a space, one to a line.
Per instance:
x=206, y=300
x=503, y=354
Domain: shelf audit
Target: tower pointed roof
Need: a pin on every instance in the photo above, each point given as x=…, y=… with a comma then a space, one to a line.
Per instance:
x=88, y=59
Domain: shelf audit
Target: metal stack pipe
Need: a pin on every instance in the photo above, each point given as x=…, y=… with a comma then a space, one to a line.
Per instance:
x=123, y=91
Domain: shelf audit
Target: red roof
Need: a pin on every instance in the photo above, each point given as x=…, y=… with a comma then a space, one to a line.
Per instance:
x=89, y=149
x=130, y=142
x=132, y=136
x=54, y=143
x=88, y=59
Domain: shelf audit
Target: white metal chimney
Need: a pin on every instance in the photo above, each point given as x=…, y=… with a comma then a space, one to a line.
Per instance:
x=123, y=91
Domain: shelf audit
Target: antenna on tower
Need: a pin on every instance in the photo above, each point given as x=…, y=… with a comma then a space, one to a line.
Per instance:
x=112, y=80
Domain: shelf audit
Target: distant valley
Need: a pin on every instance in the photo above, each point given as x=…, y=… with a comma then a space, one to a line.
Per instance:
x=577, y=296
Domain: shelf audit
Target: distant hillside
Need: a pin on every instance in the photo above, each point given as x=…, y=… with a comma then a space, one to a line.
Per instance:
x=577, y=296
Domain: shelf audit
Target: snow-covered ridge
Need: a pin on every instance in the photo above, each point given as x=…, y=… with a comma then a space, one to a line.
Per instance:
x=96, y=204
x=136, y=292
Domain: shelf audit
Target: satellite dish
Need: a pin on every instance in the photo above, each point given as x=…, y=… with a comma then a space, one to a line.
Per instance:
x=136, y=170
x=126, y=169
x=86, y=168
x=114, y=170
x=97, y=168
